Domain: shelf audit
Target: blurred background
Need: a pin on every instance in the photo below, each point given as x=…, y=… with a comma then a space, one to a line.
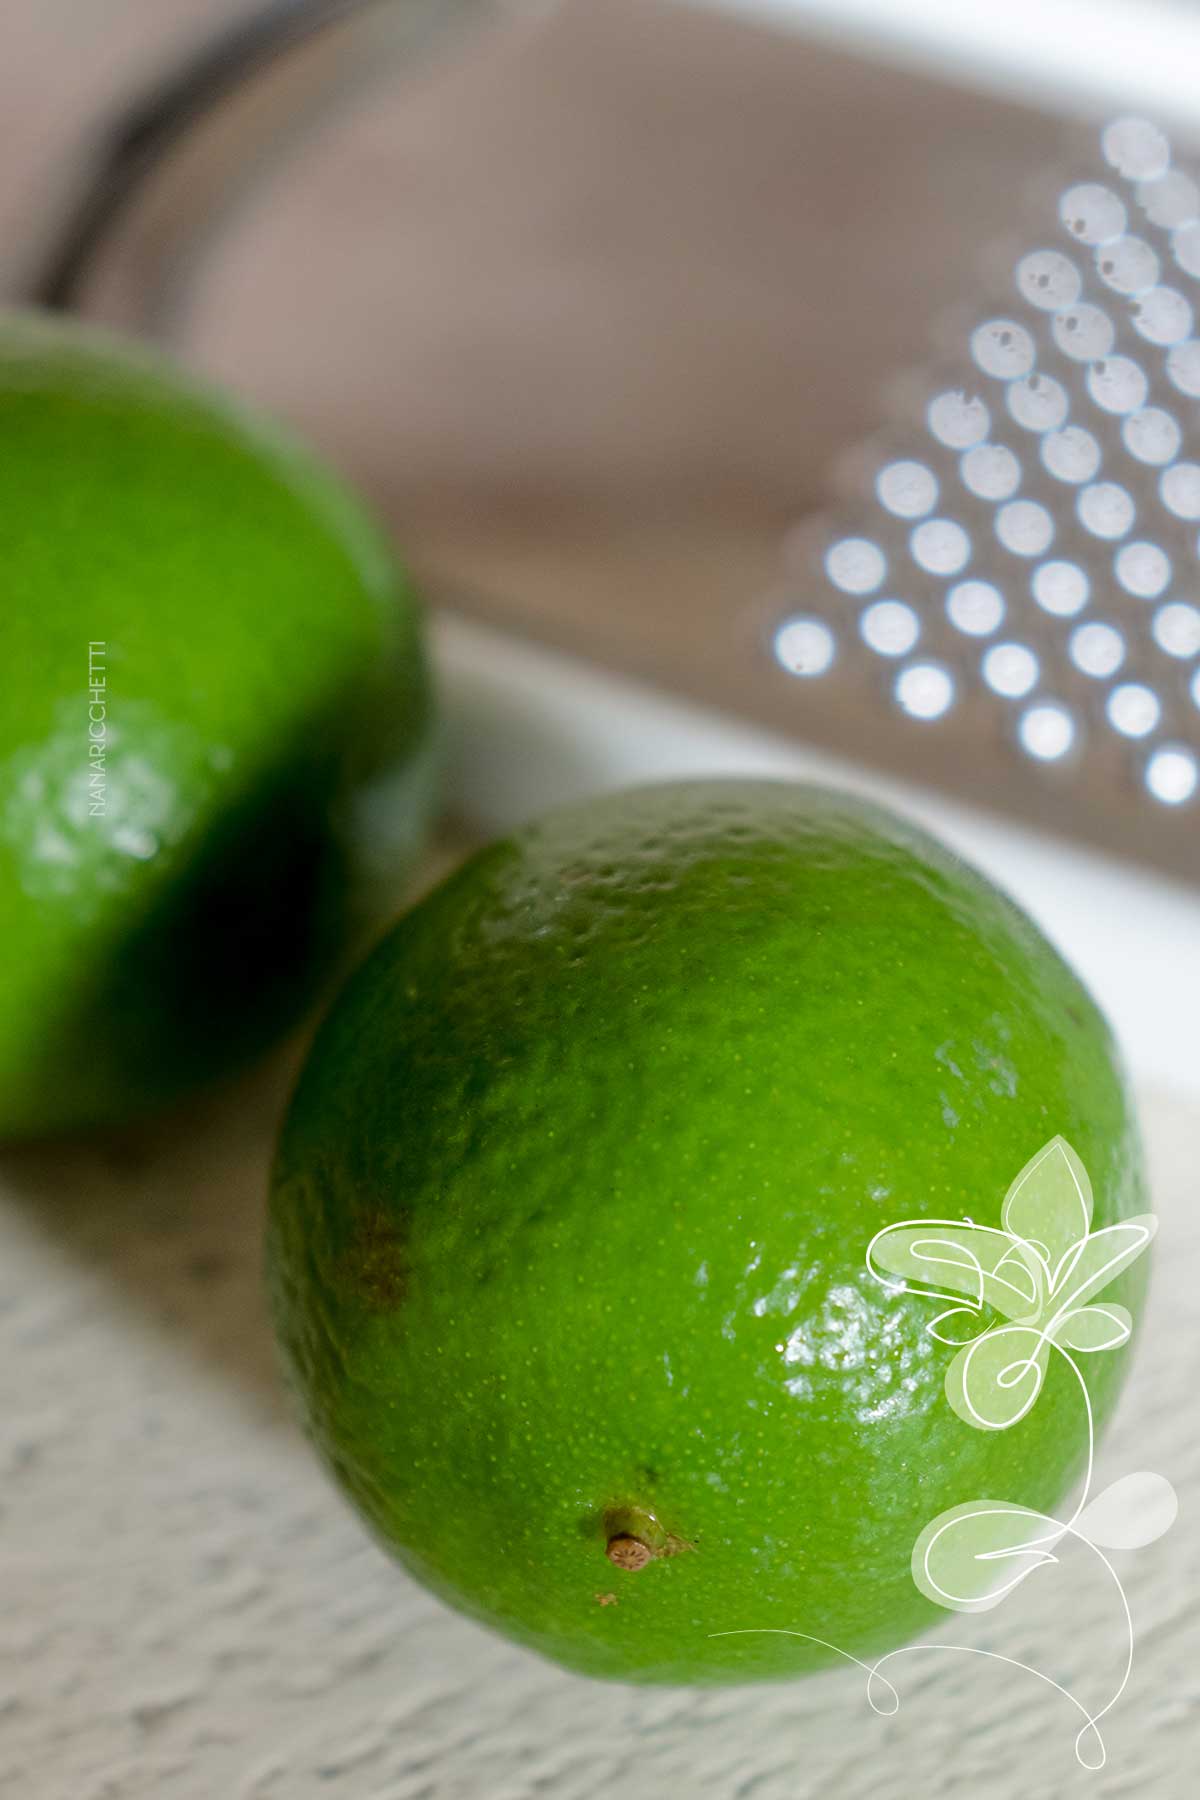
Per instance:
x=614, y=310
x=599, y=303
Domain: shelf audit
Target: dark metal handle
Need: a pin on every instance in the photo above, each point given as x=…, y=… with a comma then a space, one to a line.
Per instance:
x=160, y=118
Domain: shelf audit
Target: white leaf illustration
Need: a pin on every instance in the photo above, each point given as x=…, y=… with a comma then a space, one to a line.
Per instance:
x=993, y=1382
x=971, y=1556
x=1104, y=1326
x=1133, y=1511
x=1049, y=1205
x=944, y=1259
x=1098, y=1259
x=958, y=1325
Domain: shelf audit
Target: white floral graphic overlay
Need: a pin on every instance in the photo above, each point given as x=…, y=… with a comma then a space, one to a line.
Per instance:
x=1042, y=1272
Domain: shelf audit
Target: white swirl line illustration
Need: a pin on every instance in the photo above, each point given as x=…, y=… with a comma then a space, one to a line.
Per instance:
x=886, y=1712
x=1041, y=1271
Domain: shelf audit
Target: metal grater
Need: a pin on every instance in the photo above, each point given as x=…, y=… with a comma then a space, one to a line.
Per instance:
x=1012, y=584
x=1003, y=603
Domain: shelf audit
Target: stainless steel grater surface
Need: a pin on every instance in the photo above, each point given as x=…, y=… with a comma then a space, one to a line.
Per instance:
x=1012, y=588
x=1002, y=600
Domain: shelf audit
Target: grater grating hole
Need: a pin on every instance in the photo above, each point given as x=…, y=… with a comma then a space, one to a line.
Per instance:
x=1097, y=649
x=1048, y=280
x=1046, y=731
x=1003, y=348
x=1172, y=775
x=1010, y=670
x=1185, y=247
x=1038, y=402
x=1143, y=569
x=1151, y=435
x=925, y=690
x=1025, y=527
x=1183, y=367
x=1133, y=709
x=1106, y=509
x=1171, y=200
x=1117, y=384
x=990, y=471
x=1179, y=490
x=975, y=608
x=1137, y=149
x=1176, y=628
x=940, y=546
x=1092, y=213
x=856, y=565
x=805, y=646
x=890, y=627
x=1129, y=266
x=1163, y=316
x=1071, y=455
x=907, y=489
x=1083, y=332
x=957, y=419
x=1060, y=588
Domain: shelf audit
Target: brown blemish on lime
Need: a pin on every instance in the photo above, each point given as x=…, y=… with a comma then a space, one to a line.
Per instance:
x=376, y=1266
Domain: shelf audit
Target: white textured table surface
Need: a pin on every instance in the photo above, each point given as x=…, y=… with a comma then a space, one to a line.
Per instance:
x=190, y=1613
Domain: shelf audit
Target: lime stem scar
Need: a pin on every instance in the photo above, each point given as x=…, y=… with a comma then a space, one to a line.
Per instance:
x=628, y=1552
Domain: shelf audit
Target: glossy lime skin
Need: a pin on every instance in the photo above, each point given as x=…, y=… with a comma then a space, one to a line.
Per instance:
x=264, y=721
x=571, y=1207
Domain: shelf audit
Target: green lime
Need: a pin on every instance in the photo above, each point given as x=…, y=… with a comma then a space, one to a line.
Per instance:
x=216, y=741
x=570, y=1214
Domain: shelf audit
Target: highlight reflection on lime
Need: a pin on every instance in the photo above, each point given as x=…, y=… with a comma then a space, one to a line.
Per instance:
x=570, y=1211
